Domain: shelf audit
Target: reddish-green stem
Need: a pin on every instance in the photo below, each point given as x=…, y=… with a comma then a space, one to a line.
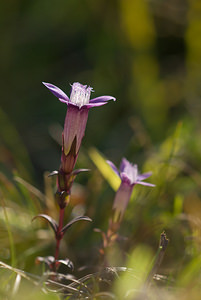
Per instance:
x=59, y=234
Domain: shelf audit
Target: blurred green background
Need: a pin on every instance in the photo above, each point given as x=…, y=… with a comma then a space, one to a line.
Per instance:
x=147, y=54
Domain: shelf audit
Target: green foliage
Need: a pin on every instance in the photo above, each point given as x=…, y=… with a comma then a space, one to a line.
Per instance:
x=128, y=285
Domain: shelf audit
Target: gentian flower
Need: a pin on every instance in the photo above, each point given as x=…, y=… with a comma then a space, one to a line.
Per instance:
x=78, y=104
x=129, y=176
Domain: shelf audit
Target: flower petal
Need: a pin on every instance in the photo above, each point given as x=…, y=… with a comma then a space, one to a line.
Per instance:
x=102, y=99
x=124, y=164
x=64, y=101
x=114, y=168
x=144, y=176
x=145, y=183
x=56, y=91
x=90, y=105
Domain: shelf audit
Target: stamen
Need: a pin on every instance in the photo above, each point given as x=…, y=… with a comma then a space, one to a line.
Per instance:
x=80, y=94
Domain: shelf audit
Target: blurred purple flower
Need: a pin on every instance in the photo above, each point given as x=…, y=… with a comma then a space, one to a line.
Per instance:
x=76, y=119
x=129, y=178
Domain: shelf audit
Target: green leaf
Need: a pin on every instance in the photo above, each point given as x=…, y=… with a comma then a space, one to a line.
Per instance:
x=50, y=220
x=107, y=172
x=82, y=218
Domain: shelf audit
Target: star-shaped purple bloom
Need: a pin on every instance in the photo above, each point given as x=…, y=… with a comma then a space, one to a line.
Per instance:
x=129, y=178
x=129, y=173
x=79, y=97
x=78, y=104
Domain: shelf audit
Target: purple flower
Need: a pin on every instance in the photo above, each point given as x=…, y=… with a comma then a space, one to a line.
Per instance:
x=129, y=178
x=76, y=119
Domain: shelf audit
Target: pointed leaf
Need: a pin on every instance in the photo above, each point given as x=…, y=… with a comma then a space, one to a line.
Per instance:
x=77, y=171
x=53, y=173
x=49, y=260
x=82, y=218
x=67, y=262
x=50, y=220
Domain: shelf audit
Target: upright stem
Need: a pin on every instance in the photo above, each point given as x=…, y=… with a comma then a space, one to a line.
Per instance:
x=163, y=243
x=59, y=235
